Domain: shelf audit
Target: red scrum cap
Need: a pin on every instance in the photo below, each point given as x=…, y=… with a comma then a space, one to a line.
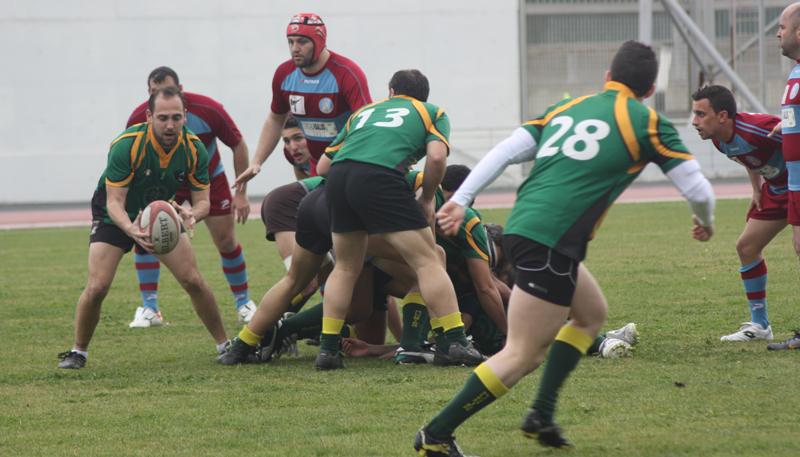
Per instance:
x=310, y=26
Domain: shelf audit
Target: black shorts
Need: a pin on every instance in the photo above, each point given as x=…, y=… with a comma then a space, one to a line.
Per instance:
x=542, y=271
x=313, y=227
x=379, y=280
x=363, y=196
x=279, y=209
x=104, y=232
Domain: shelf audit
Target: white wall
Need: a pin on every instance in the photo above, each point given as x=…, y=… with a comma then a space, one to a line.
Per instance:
x=72, y=72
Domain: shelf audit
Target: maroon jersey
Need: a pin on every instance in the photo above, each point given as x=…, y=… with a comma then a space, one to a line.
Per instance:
x=750, y=146
x=208, y=120
x=321, y=102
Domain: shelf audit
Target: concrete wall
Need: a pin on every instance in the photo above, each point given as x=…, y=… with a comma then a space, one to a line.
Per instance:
x=73, y=71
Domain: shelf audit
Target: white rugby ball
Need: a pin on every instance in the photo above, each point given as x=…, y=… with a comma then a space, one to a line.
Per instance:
x=161, y=220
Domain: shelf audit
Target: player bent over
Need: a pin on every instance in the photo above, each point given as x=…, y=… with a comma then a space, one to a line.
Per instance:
x=207, y=119
x=147, y=162
x=587, y=151
x=742, y=137
x=367, y=194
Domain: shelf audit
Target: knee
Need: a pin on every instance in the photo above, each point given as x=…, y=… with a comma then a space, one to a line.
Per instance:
x=193, y=284
x=96, y=291
x=747, y=250
x=227, y=242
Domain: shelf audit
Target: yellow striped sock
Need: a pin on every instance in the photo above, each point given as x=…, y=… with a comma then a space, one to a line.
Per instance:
x=575, y=338
x=353, y=333
x=491, y=381
x=249, y=337
x=414, y=298
x=435, y=322
x=451, y=321
x=296, y=300
x=332, y=326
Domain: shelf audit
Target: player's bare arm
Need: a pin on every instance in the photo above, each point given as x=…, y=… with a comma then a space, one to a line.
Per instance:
x=323, y=165
x=241, y=205
x=755, y=180
x=197, y=213
x=435, y=166
x=487, y=292
x=775, y=130
x=270, y=135
x=115, y=202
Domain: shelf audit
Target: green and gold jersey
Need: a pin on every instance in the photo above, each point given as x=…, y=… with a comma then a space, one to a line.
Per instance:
x=470, y=242
x=310, y=184
x=392, y=133
x=415, y=178
x=138, y=162
x=588, y=151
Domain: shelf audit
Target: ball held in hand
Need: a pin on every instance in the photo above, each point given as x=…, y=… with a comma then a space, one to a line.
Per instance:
x=161, y=220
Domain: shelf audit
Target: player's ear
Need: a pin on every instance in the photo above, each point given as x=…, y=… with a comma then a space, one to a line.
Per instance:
x=650, y=92
x=149, y=116
x=722, y=116
x=608, y=75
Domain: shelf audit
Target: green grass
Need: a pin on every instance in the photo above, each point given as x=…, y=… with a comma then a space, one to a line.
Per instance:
x=158, y=391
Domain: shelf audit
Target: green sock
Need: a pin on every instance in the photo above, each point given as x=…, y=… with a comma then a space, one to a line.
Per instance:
x=565, y=353
x=453, y=330
x=482, y=388
x=595, y=347
x=441, y=340
x=307, y=324
x=415, y=314
x=331, y=334
x=456, y=334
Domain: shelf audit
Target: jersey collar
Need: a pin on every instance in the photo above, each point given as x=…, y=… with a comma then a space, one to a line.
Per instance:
x=619, y=87
x=163, y=157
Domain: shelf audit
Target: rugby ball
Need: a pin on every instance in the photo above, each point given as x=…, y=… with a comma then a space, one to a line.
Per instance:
x=161, y=220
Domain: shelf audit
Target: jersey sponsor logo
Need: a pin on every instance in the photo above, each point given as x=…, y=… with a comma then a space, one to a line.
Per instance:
x=309, y=81
x=795, y=89
x=298, y=103
x=155, y=193
x=753, y=160
x=769, y=172
x=326, y=105
x=787, y=117
x=319, y=129
x=180, y=176
x=147, y=173
x=224, y=204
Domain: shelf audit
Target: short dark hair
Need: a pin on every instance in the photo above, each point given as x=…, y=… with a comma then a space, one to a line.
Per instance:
x=454, y=175
x=291, y=123
x=160, y=74
x=166, y=92
x=719, y=97
x=411, y=83
x=636, y=66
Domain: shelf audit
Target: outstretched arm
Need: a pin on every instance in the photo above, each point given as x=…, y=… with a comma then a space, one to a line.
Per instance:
x=270, y=134
x=519, y=147
x=697, y=191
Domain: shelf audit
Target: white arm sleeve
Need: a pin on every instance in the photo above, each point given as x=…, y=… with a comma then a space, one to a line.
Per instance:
x=519, y=147
x=696, y=189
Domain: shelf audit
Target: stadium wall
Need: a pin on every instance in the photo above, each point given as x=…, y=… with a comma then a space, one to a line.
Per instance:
x=73, y=72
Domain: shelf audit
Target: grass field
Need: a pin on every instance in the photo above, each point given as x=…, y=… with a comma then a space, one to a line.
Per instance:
x=159, y=392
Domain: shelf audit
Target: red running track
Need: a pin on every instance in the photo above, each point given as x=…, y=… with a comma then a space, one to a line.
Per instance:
x=10, y=219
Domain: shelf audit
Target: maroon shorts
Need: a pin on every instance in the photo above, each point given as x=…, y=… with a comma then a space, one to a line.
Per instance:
x=774, y=206
x=279, y=209
x=221, y=198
